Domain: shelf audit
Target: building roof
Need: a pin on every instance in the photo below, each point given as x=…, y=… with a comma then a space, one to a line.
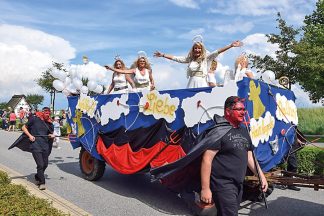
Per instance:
x=15, y=100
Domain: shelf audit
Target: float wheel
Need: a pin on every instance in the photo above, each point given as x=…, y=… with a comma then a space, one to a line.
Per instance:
x=92, y=169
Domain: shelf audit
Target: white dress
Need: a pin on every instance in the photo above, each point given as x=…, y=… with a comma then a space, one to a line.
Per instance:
x=142, y=81
x=241, y=73
x=197, y=73
x=120, y=83
x=211, y=78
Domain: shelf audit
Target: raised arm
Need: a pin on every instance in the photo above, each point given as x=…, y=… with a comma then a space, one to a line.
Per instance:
x=126, y=71
x=253, y=169
x=206, y=166
x=233, y=44
x=179, y=59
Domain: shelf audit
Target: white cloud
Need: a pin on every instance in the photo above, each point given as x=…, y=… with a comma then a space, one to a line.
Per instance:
x=190, y=35
x=238, y=26
x=185, y=3
x=257, y=44
x=302, y=98
x=24, y=54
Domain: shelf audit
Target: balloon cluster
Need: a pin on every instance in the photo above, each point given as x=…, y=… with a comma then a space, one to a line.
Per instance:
x=268, y=77
x=71, y=82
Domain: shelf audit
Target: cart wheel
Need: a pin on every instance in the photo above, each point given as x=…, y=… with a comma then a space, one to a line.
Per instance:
x=92, y=169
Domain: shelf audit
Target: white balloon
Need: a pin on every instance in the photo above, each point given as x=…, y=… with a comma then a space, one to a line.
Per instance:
x=67, y=81
x=268, y=76
x=98, y=89
x=55, y=73
x=66, y=92
x=72, y=72
x=62, y=75
x=84, y=89
x=58, y=85
x=72, y=89
x=77, y=83
x=92, y=85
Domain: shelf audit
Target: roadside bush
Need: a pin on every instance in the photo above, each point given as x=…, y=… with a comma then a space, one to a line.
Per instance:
x=16, y=200
x=311, y=161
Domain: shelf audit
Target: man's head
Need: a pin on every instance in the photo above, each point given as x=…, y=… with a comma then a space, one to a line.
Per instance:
x=234, y=110
x=46, y=113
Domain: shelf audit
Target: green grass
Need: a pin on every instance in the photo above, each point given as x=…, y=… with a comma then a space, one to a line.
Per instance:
x=311, y=121
x=16, y=200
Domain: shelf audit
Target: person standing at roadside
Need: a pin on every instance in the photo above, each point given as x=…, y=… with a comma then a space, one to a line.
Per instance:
x=22, y=114
x=12, y=120
x=39, y=130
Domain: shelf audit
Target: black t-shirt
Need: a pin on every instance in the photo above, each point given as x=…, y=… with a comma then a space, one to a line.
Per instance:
x=230, y=163
x=36, y=126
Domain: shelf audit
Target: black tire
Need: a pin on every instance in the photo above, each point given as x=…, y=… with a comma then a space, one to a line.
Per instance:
x=92, y=169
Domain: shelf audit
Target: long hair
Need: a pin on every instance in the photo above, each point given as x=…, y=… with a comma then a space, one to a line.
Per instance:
x=239, y=60
x=122, y=63
x=203, y=52
x=147, y=63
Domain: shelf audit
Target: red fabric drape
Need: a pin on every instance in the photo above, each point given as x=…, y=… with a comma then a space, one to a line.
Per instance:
x=124, y=160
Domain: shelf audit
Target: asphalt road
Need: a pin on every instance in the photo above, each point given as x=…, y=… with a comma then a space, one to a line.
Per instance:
x=116, y=194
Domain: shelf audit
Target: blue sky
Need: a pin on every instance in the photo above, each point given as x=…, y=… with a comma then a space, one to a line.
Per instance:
x=33, y=33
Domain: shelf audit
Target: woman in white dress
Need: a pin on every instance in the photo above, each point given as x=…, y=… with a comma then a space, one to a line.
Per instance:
x=197, y=60
x=119, y=82
x=211, y=80
x=142, y=72
x=241, y=68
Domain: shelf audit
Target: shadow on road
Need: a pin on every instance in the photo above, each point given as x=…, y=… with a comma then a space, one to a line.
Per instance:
x=137, y=186
x=285, y=206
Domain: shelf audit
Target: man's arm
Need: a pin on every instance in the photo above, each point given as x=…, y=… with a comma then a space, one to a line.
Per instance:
x=206, y=165
x=253, y=169
x=26, y=131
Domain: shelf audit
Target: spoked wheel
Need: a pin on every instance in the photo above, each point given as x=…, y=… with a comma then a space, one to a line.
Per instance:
x=92, y=169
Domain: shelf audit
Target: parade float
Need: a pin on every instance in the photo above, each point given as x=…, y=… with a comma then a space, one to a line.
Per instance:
x=141, y=131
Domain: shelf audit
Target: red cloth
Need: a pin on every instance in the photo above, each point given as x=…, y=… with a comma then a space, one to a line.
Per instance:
x=41, y=116
x=124, y=160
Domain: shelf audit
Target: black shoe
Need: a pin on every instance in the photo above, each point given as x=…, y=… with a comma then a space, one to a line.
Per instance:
x=37, y=181
x=292, y=187
x=281, y=187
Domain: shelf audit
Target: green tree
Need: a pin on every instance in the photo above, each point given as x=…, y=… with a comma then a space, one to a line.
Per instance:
x=34, y=100
x=310, y=54
x=284, y=64
x=46, y=81
x=3, y=105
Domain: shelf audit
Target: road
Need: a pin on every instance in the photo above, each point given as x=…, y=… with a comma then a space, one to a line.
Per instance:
x=116, y=194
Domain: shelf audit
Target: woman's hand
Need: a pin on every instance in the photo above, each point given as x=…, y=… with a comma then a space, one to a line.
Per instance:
x=158, y=54
x=109, y=68
x=236, y=44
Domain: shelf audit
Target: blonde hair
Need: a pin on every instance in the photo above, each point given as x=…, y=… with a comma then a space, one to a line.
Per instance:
x=239, y=60
x=203, y=52
x=122, y=63
x=213, y=65
x=147, y=64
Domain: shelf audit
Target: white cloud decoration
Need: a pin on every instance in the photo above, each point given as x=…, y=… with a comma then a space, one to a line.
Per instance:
x=209, y=104
x=159, y=105
x=113, y=110
x=87, y=105
x=286, y=109
x=261, y=129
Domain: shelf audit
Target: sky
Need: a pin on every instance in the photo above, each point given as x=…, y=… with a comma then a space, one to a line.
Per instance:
x=35, y=33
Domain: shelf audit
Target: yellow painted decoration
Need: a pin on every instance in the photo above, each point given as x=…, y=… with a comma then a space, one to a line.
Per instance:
x=258, y=107
x=160, y=105
x=77, y=120
x=68, y=129
x=88, y=105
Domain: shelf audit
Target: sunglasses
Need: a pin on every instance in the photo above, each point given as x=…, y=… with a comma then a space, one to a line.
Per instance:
x=239, y=109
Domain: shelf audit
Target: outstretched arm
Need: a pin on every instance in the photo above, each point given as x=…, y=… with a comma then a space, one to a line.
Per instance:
x=126, y=71
x=206, y=166
x=159, y=54
x=254, y=170
x=233, y=44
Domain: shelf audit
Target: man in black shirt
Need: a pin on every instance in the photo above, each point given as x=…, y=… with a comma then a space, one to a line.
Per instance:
x=224, y=164
x=39, y=130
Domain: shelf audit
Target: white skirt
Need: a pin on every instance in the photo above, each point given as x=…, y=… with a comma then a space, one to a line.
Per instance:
x=197, y=82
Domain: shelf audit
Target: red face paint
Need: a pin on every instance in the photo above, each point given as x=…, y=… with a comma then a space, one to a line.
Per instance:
x=46, y=114
x=235, y=115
